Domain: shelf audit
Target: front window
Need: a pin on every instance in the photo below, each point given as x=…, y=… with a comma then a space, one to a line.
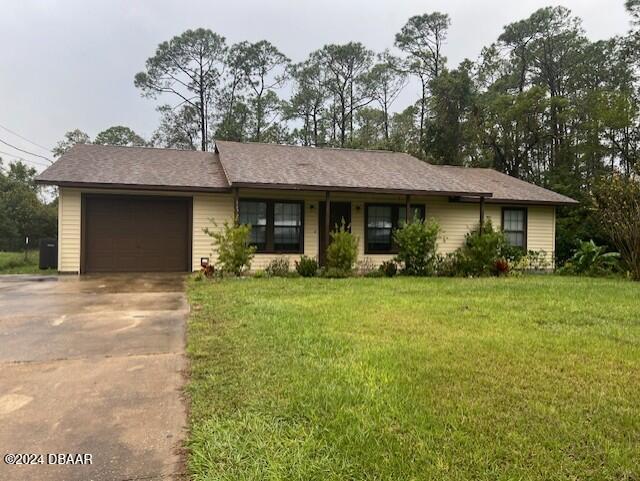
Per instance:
x=382, y=220
x=379, y=227
x=514, y=226
x=255, y=214
x=275, y=226
x=287, y=223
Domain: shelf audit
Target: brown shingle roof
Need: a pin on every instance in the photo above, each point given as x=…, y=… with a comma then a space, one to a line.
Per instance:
x=287, y=166
x=137, y=166
x=283, y=167
x=506, y=188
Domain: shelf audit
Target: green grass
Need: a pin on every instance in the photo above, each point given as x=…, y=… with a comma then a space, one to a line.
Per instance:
x=411, y=379
x=15, y=263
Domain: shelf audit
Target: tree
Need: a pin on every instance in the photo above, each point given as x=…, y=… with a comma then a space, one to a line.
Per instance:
x=188, y=67
x=422, y=39
x=370, y=129
x=22, y=213
x=307, y=102
x=451, y=104
x=119, y=135
x=179, y=128
x=633, y=7
x=385, y=82
x=71, y=138
x=546, y=50
x=618, y=202
x=265, y=70
x=346, y=67
x=233, y=112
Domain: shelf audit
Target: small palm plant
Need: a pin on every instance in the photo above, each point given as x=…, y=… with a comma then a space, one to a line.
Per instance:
x=592, y=260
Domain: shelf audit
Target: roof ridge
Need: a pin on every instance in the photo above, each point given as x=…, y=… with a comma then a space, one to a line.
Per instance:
x=218, y=156
x=313, y=147
x=147, y=147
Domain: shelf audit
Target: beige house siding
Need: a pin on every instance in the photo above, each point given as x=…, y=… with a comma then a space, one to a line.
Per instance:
x=541, y=231
x=69, y=216
x=208, y=208
x=455, y=219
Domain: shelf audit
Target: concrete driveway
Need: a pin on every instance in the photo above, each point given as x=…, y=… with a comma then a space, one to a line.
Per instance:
x=93, y=365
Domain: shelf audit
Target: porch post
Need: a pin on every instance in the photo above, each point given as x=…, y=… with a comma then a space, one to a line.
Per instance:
x=481, y=215
x=407, y=215
x=327, y=216
x=236, y=206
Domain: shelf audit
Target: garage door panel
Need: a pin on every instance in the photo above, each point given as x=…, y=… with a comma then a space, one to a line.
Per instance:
x=135, y=234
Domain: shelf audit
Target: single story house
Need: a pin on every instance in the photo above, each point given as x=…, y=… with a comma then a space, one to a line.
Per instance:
x=145, y=209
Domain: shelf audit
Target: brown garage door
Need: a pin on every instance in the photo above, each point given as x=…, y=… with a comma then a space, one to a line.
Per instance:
x=136, y=234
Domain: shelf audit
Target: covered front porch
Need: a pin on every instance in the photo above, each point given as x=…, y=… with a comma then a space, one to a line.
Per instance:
x=293, y=223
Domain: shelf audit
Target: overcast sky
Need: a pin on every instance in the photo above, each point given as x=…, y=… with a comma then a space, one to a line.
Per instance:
x=70, y=64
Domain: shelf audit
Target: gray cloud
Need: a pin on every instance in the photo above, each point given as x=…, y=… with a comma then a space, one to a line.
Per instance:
x=68, y=64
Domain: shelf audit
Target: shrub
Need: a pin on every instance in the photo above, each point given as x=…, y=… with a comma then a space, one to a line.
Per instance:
x=365, y=266
x=532, y=261
x=389, y=268
x=502, y=267
x=259, y=274
x=417, y=244
x=591, y=260
x=335, y=273
x=480, y=254
x=278, y=267
x=342, y=252
x=307, y=266
x=618, y=202
x=447, y=265
x=232, y=243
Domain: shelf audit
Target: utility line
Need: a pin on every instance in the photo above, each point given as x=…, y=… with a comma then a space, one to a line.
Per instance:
x=24, y=138
x=26, y=151
x=36, y=162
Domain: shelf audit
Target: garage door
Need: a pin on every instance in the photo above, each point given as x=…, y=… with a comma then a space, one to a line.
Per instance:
x=136, y=234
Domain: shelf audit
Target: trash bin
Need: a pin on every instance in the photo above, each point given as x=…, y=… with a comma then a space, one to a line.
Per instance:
x=48, y=254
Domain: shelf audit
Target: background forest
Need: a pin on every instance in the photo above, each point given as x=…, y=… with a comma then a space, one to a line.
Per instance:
x=542, y=103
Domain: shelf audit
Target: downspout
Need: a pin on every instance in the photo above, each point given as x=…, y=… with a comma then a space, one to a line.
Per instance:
x=236, y=206
x=481, y=215
x=407, y=216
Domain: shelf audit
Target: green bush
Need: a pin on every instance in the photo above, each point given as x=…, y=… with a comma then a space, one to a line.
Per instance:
x=592, y=260
x=307, y=266
x=532, y=261
x=481, y=255
x=447, y=265
x=389, y=268
x=278, y=267
x=417, y=243
x=232, y=243
x=335, y=273
x=342, y=252
x=259, y=274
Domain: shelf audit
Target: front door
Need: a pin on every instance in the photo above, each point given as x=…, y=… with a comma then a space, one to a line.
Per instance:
x=340, y=212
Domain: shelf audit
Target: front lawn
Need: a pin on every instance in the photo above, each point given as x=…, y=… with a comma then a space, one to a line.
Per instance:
x=412, y=379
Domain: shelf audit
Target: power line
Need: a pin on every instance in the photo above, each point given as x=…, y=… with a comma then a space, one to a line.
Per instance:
x=36, y=162
x=26, y=151
x=24, y=138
